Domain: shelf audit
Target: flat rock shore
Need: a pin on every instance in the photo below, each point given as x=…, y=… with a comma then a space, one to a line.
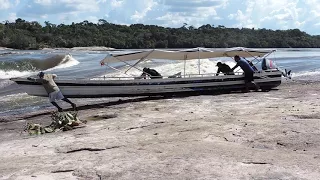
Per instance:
x=256, y=135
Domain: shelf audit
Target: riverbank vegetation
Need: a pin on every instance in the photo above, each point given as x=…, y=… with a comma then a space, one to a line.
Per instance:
x=23, y=34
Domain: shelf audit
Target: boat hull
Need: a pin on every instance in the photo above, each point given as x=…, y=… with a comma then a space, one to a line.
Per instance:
x=80, y=88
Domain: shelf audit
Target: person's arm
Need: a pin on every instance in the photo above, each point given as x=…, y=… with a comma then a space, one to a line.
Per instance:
x=254, y=67
x=237, y=65
x=54, y=76
x=32, y=79
x=36, y=80
x=219, y=70
x=143, y=75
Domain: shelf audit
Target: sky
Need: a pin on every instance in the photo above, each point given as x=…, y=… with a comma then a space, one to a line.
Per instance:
x=258, y=14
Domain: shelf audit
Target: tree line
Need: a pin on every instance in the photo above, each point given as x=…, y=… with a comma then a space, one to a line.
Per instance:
x=23, y=34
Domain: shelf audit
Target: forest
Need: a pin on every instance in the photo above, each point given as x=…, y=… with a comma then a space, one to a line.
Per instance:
x=23, y=34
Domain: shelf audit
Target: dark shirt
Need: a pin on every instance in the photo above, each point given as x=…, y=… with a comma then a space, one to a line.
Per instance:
x=224, y=68
x=252, y=65
x=245, y=66
x=152, y=73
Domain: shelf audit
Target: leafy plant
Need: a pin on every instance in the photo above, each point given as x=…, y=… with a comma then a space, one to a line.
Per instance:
x=60, y=121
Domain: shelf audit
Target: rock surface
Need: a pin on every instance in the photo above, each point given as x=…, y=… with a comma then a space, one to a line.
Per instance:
x=257, y=135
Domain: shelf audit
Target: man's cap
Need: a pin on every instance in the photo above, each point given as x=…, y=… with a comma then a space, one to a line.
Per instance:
x=40, y=74
x=236, y=56
x=218, y=64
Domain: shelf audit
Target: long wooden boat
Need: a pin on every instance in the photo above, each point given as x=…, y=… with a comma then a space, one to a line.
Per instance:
x=185, y=84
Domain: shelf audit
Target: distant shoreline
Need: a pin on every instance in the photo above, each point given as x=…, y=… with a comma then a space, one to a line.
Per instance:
x=5, y=48
x=89, y=48
x=103, y=48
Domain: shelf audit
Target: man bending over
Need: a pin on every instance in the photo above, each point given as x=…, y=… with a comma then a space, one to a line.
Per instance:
x=52, y=89
x=224, y=68
x=248, y=72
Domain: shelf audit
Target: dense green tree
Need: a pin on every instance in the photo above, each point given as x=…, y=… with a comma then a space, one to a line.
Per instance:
x=23, y=34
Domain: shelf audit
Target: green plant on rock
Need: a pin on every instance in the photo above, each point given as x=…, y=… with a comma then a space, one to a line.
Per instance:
x=60, y=121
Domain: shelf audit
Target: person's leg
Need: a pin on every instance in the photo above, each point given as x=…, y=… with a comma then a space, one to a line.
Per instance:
x=68, y=101
x=52, y=99
x=257, y=87
x=247, y=80
x=250, y=80
x=57, y=106
x=247, y=87
x=59, y=96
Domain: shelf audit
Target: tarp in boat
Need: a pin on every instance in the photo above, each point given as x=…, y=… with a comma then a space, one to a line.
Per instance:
x=268, y=64
x=186, y=54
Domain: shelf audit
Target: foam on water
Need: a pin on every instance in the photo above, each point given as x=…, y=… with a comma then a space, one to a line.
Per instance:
x=14, y=74
x=20, y=103
x=6, y=53
x=306, y=74
x=67, y=61
x=5, y=83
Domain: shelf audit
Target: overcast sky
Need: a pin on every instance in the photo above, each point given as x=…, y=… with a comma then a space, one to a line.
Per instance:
x=269, y=14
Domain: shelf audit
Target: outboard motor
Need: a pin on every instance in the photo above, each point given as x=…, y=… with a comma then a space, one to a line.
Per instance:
x=269, y=64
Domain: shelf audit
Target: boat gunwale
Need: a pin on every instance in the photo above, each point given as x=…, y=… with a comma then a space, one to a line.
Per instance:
x=164, y=79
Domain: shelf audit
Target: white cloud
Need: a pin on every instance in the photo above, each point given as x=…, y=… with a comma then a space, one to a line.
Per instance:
x=192, y=12
x=139, y=15
x=258, y=14
x=92, y=19
x=44, y=2
x=313, y=7
x=65, y=17
x=314, y=13
x=5, y=4
x=243, y=20
x=173, y=19
x=178, y=19
x=102, y=1
x=17, y=2
x=82, y=5
x=116, y=3
x=283, y=17
x=300, y=24
x=270, y=14
x=58, y=11
x=79, y=5
x=12, y=17
x=45, y=16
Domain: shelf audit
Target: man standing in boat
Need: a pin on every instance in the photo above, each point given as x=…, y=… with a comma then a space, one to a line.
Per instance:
x=248, y=72
x=52, y=89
